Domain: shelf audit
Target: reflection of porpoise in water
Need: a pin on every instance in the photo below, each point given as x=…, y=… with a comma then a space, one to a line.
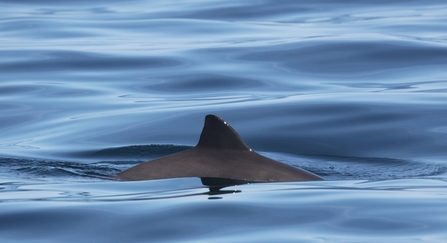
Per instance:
x=220, y=158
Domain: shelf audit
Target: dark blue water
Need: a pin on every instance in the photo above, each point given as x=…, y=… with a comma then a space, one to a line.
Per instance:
x=354, y=91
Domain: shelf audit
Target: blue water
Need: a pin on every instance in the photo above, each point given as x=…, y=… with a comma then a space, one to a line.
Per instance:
x=354, y=91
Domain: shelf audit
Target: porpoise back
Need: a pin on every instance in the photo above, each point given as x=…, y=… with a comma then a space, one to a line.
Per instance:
x=220, y=153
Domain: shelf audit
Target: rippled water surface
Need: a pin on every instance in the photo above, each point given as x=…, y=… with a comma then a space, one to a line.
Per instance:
x=354, y=91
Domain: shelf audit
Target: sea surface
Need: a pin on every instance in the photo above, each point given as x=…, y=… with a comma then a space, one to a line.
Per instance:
x=352, y=90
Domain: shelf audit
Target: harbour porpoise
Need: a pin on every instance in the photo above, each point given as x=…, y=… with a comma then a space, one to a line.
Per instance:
x=220, y=157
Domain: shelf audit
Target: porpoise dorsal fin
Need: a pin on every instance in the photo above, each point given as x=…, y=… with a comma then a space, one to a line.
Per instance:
x=217, y=134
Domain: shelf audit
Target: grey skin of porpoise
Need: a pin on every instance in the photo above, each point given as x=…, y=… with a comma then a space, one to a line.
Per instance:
x=220, y=154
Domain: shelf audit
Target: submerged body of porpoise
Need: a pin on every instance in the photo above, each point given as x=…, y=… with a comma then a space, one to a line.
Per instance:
x=220, y=155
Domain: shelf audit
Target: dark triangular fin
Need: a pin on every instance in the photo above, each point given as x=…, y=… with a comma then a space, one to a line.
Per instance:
x=217, y=134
